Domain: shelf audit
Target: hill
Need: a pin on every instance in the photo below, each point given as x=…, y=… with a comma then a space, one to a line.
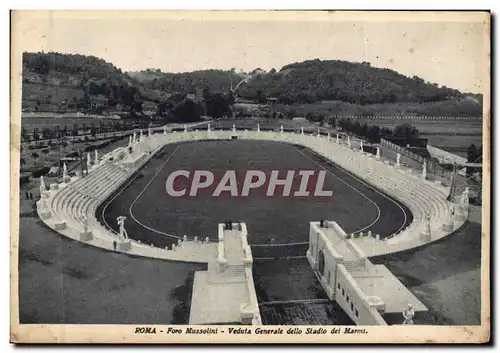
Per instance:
x=218, y=81
x=68, y=82
x=334, y=80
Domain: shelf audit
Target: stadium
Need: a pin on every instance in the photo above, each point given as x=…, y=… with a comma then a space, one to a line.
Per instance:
x=286, y=257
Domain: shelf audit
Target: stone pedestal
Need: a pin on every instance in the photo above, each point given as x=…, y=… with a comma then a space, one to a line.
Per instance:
x=61, y=225
x=86, y=236
x=45, y=214
x=425, y=236
x=448, y=227
x=124, y=246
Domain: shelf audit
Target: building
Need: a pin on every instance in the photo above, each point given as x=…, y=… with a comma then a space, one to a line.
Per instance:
x=366, y=292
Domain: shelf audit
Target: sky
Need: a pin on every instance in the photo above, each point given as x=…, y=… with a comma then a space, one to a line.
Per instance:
x=449, y=50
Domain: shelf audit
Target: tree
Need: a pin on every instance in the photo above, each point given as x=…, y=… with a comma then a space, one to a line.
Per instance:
x=35, y=157
x=407, y=131
x=472, y=156
x=24, y=134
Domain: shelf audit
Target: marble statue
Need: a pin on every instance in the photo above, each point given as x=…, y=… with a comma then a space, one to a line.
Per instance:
x=319, y=133
x=121, y=223
x=130, y=140
x=258, y=127
x=42, y=186
x=465, y=196
x=329, y=137
x=43, y=204
x=424, y=169
x=451, y=213
x=65, y=170
x=149, y=131
x=281, y=129
x=89, y=160
x=408, y=315
x=96, y=157
x=338, y=141
x=378, y=153
x=256, y=319
x=361, y=145
x=140, y=135
x=208, y=127
x=185, y=128
x=349, y=141
x=398, y=160
x=234, y=127
x=428, y=223
x=302, y=130
x=85, y=222
x=165, y=130
x=134, y=139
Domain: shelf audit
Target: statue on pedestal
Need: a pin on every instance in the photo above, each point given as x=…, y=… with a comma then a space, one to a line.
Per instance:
x=302, y=130
x=378, y=153
x=165, y=130
x=89, y=160
x=428, y=223
x=349, y=141
x=361, y=145
x=121, y=223
x=408, y=315
x=43, y=204
x=338, y=139
x=281, y=129
x=130, y=140
x=149, y=131
x=398, y=160
x=140, y=135
x=85, y=224
x=65, y=171
x=96, y=157
x=258, y=127
x=451, y=213
x=329, y=137
x=465, y=197
x=208, y=127
x=256, y=319
x=134, y=139
x=42, y=186
x=318, y=133
x=185, y=128
x=424, y=169
x=234, y=127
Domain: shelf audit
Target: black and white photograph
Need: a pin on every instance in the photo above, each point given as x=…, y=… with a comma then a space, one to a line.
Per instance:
x=250, y=177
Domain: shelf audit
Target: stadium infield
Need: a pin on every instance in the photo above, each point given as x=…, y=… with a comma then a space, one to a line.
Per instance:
x=279, y=222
